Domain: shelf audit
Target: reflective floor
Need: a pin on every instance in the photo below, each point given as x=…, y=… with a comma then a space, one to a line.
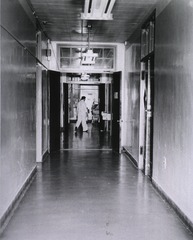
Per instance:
x=93, y=139
x=93, y=195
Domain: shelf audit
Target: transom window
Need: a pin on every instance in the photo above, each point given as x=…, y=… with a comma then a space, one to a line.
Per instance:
x=148, y=37
x=70, y=57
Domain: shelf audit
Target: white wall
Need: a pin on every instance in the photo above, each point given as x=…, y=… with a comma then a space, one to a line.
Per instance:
x=18, y=105
x=173, y=105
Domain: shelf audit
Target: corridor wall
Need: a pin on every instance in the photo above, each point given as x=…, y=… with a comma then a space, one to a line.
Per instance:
x=173, y=98
x=173, y=105
x=18, y=104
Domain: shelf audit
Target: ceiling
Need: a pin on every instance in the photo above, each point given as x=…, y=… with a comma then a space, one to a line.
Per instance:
x=61, y=20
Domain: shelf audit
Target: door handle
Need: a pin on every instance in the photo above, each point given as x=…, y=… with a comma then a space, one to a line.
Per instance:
x=120, y=120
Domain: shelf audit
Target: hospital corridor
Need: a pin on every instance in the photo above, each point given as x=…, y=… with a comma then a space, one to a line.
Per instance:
x=96, y=112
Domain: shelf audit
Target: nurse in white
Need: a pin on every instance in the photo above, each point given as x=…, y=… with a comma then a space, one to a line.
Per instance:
x=82, y=114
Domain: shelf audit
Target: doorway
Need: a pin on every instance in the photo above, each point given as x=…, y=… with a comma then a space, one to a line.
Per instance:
x=147, y=121
x=116, y=111
x=97, y=102
x=91, y=92
x=54, y=92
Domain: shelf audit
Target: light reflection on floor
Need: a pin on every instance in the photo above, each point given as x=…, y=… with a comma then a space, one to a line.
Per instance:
x=93, y=139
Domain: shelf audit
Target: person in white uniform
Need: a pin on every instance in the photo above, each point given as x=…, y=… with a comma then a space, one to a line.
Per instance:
x=82, y=114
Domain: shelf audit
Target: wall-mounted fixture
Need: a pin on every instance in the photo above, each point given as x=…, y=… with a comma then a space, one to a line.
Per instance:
x=48, y=50
x=98, y=10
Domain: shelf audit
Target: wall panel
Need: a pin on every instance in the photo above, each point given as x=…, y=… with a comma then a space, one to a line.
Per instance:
x=173, y=109
x=18, y=84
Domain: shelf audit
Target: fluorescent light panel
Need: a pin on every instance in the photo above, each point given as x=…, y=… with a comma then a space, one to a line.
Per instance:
x=98, y=10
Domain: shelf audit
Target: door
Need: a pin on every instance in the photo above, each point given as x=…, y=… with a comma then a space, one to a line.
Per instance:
x=65, y=106
x=148, y=123
x=116, y=106
x=101, y=105
x=54, y=80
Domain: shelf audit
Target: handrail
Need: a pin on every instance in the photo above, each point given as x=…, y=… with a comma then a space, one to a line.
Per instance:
x=25, y=48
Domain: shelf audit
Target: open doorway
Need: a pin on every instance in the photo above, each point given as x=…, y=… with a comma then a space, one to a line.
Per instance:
x=91, y=92
x=97, y=102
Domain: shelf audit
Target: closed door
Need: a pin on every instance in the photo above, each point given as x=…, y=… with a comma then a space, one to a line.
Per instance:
x=116, y=111
x=65, y=106
x=148, y=124
x=101, y=105
x=54, y=79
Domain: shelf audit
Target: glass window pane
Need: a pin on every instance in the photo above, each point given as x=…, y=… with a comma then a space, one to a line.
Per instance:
x=98, y=63
x=75, y=62
x=64, y=52
x=76, y=52
x=64, y=62
x=108, y=53
x=108, y=63
x=99, y=51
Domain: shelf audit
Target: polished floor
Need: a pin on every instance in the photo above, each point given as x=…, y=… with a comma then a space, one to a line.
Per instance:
x=93, y=194
x=93, y=139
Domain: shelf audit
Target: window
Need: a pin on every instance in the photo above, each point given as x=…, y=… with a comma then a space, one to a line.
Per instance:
x=70, y=57
x=147, y=37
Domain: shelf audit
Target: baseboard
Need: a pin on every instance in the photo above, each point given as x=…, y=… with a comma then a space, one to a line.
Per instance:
x=178, y=211
x=132, y=159
x=15, y=203
x=45, y=156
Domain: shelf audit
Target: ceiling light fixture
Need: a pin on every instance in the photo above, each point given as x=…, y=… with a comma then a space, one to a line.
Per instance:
x=98, y=10
x=88, y=58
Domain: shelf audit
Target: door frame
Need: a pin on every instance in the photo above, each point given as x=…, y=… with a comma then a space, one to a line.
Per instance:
x=119, y=120
x=147, y=95
x=54, y=108
x=146, y=116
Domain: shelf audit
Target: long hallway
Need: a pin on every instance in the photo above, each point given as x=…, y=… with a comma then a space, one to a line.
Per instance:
x=93, y=194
